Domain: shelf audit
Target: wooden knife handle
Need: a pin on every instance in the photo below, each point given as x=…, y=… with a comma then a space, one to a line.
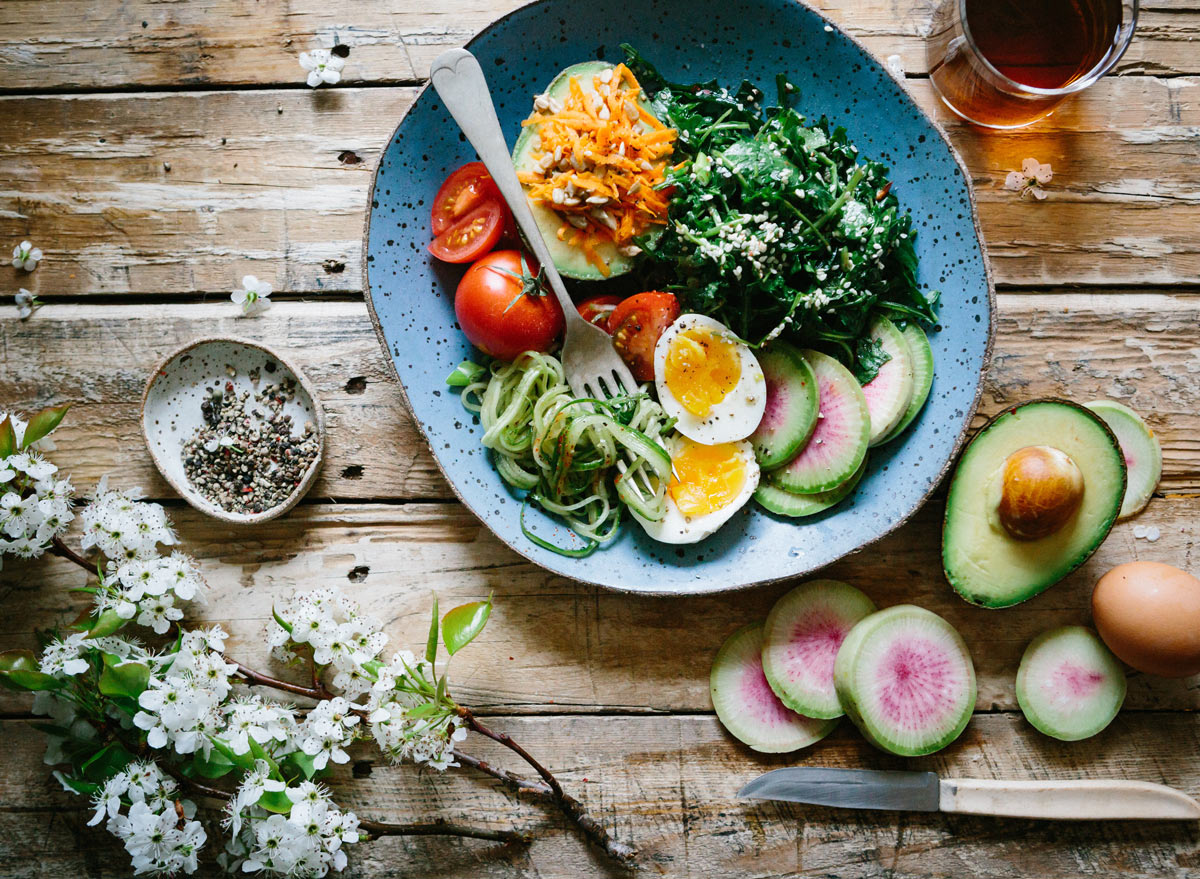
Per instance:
x=1067, y=800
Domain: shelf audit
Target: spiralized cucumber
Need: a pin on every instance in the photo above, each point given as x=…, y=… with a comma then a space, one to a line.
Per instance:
x=578, y=459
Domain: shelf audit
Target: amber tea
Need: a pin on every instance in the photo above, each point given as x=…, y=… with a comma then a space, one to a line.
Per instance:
x=1006, y=63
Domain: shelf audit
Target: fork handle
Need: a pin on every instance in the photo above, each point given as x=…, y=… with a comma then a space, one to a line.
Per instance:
x=458, y=80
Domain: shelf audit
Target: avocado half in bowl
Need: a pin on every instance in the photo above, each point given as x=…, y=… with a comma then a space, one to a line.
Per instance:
x=570, y=260
x=1035, y=493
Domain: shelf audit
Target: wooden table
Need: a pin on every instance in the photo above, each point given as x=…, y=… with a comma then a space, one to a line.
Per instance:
x=158, y=151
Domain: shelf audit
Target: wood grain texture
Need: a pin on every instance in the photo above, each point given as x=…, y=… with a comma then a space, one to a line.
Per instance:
x=668, y=785
x=234, y=42
x=1137, y=348
x=258, y=182
x=556, y=645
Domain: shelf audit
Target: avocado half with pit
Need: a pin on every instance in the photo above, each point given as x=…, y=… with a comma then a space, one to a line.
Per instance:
x=571, y=262
x=1035, y=493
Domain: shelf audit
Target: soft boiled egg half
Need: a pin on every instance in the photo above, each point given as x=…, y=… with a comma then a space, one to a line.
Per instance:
x=708, y=380
x=709, y=483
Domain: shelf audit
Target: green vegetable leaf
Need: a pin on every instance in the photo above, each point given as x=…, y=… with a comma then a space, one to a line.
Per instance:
x=466, y=372
x=462, y=624
x=432, y=643
x=869, y=359
x=42, y=423
x=8, y=437
x=126, y=678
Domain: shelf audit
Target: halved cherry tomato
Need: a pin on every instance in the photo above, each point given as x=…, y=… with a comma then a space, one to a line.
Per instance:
x=501, y=308
x=472, y=236
x=635, y=326
x=461, y=193
x=597, y=309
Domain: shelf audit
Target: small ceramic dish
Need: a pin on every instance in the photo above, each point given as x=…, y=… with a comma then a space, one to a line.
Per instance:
x=171, y=411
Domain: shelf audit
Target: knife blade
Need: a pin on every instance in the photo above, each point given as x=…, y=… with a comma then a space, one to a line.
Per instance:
x=1074, y=800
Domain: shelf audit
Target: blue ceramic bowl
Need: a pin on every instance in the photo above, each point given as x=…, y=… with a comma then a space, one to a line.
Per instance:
x=411, y=295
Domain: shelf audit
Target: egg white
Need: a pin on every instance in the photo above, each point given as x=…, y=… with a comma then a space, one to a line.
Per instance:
x=732, y=419
x=675, y=527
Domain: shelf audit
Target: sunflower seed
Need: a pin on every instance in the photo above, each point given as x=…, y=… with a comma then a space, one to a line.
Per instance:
x=606, y=74
x=597, y=199
x=603, y=218
x=629, y=250
x=557, y=195
x=577, y=221
x=631, y=111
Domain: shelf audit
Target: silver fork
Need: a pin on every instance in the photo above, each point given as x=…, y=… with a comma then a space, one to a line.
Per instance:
x=593, y=367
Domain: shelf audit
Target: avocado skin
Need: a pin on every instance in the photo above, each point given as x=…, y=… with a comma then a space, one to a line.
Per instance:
x=1022, y=591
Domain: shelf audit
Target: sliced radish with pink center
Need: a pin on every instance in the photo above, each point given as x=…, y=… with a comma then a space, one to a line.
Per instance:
x=905, y=677
x=890, y=392
x=791, y=410
x=1069, y=685
x=748, y=707
x=803, y=633
x=838, y=443
x=1139, y=445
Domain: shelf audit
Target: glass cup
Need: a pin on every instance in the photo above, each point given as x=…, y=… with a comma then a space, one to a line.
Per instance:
x=975, y=88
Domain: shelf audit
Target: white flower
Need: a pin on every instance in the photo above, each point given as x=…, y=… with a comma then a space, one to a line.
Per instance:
x=1028, y=180
x=62, y=656
x=107, y=800
x=158, y=841
x=26, y=303
x=26, y=256
x=253, y=786
x=19, y=515
x=158, y=612
x=322, y=66
x=253, y=297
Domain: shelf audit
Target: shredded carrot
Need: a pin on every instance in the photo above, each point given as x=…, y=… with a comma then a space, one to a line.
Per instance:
x=607, y=156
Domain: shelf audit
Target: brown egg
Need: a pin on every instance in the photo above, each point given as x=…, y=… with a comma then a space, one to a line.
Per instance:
x=1148, y=614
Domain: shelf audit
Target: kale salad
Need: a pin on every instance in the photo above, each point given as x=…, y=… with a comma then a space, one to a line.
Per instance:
x=777, y=226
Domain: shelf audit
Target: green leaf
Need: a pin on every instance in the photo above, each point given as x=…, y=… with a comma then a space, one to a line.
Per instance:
x=425, y=709
x=8, y=438
x=106, y=762
x=22, y=679
x=215, y=766
x=431, y=645
x=123, y=678
x=105, y=624
x=465, y=373
x=42, y=423
x=303, y=763
x=462, y=624
x=24, y=660
x=242, y=761
x=78, y=785
x=275, y=801
x=284, y=624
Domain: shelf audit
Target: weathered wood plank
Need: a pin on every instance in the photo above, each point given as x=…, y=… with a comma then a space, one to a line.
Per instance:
x=182, y=194
x=667, y=784
x=1137, y=348
x=557, y=645
x=230, y=42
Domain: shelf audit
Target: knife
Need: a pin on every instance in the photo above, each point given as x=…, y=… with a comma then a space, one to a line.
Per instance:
x=1080, y=800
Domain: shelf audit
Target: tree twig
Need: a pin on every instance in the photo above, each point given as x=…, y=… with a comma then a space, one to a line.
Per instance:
x=445, y=828
x=515, y=783
x=257, y=678
x=596, y=832
x=59, y=548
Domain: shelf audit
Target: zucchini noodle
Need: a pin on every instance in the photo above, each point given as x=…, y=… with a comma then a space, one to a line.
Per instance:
x=579, y=459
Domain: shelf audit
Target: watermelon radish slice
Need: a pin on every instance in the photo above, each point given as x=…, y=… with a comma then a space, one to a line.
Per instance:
x=890, y=392
x=801, y=638
x=838, y=444
x=748, y=708
x=1069, y=685
x=797, y=506
x=791, y=412
x=1143, y=454
x=922, y=358
x=906, y=680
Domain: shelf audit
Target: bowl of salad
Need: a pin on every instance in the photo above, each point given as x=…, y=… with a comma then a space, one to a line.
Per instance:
x=781, y=244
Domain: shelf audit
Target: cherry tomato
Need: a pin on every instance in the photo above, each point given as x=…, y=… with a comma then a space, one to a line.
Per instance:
x=461, y=193
x=635, y=326
x=502, y=310
x=472, y=236
x=597, y=309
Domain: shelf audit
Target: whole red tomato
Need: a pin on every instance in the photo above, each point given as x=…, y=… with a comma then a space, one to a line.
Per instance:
x=503, y=309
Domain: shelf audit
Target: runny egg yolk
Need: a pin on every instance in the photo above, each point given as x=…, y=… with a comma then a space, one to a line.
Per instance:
x=705, y=479
x=702, y=368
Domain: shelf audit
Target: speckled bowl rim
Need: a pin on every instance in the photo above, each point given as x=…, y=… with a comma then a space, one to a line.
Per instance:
x=951, y=459
x=185, y=491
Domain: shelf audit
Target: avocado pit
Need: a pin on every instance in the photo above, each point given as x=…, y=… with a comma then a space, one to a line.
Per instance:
x=1041, y=489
